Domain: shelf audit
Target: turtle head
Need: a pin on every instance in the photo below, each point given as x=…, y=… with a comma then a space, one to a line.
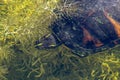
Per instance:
x=47, y=41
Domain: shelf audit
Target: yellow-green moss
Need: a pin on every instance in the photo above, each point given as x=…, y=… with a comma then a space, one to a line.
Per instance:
x=22, y=22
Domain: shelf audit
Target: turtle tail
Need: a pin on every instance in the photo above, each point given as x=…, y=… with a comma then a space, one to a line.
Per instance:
x=47, y=42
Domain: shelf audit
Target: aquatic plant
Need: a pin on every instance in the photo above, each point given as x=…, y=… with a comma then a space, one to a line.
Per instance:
x=22, y=22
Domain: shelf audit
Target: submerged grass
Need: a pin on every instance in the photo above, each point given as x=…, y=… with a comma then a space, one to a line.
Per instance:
x=22, y=22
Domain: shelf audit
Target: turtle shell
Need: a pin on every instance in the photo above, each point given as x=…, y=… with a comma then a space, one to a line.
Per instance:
x=96, y=28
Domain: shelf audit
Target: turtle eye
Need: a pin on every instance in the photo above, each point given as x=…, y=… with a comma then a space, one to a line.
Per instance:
x=81, y=54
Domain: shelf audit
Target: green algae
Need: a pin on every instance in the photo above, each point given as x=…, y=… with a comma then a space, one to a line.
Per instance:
x=22, y=22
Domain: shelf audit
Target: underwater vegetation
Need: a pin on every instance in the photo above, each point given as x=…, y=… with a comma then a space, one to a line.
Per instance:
x=22, y=22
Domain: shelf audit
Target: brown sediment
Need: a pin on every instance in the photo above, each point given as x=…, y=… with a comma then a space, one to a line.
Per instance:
x=115, y=23
x=89, y=38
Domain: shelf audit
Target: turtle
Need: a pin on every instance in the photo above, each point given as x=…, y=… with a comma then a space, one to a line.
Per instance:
x=93, y=27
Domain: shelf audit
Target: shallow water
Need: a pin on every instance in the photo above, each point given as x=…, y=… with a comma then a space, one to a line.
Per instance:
x=22, y=22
